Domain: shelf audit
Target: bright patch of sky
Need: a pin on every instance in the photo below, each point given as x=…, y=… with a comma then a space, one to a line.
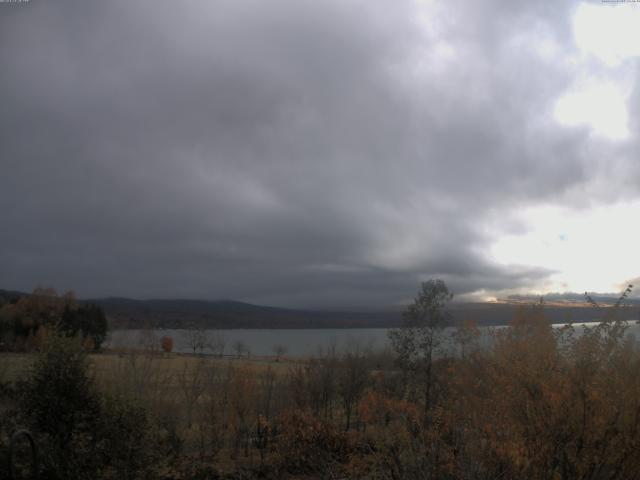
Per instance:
x=609, y=32
x=591, y=250
x=598, y=99
x=600, y=106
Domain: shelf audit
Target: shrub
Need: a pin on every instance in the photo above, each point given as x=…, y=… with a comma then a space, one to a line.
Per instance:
x=166, y=343
x=304, y=445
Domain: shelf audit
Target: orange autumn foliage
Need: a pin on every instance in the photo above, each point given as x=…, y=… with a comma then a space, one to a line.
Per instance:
x=166, y=343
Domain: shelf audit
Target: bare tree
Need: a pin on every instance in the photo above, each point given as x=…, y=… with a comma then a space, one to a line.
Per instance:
x=240, y=347
x=217, y=343
x=148, y=340
x=267, y=385
x=466, y=338
x=279, y=350
x=192, y=382
x=314, y=384
x=214, y=410
x=419, y=338
x=138, y=376
x=352, y=381
x=196, y=338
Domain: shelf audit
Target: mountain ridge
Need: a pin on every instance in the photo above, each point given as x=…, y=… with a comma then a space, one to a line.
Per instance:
x=130, y=313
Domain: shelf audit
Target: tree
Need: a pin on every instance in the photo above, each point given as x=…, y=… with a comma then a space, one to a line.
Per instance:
x=196, y=338
x=467, y=337
x=58, y=390
x=58, y=399
x=242, y=390
x=86, y=320
x=82, y=432
x=217, y=344
x=416, y=342
x=240, y=347
x=44, y=308
x=148, y=339
x=279, y=350
x=191, y=381
x=352, y=381
x=166, y=343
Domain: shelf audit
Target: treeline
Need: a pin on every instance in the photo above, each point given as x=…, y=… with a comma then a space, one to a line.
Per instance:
x=538, y=403
x=26, y=320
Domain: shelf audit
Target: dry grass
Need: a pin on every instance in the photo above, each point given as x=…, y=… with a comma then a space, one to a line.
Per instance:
x=115, y=367
x=13, y=365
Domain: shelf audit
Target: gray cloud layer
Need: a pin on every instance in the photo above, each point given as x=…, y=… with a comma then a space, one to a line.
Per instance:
x=287, y=152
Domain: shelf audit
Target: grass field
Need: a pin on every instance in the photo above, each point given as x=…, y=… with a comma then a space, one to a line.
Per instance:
x=13, y=365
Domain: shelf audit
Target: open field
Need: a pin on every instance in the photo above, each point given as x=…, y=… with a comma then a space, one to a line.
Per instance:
x=13, y=365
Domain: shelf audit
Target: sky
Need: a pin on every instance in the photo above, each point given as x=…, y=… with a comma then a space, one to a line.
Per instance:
x=319, y=154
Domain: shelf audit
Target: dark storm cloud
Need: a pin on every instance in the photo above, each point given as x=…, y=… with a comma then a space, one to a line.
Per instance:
x=286, y=152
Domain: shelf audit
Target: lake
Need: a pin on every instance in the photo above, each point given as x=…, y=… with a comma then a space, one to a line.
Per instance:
x=297, y=342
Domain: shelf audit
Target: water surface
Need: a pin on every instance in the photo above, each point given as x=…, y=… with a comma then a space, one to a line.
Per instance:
x=297, y=342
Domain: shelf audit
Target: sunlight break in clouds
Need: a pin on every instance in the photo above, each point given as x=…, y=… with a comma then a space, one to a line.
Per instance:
x=610, y=34
x=591, y=250
x=602, y=107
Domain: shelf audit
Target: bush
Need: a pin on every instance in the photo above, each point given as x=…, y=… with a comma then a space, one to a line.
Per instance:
x=167, y=344
x=129, y=445
x=304, y=445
